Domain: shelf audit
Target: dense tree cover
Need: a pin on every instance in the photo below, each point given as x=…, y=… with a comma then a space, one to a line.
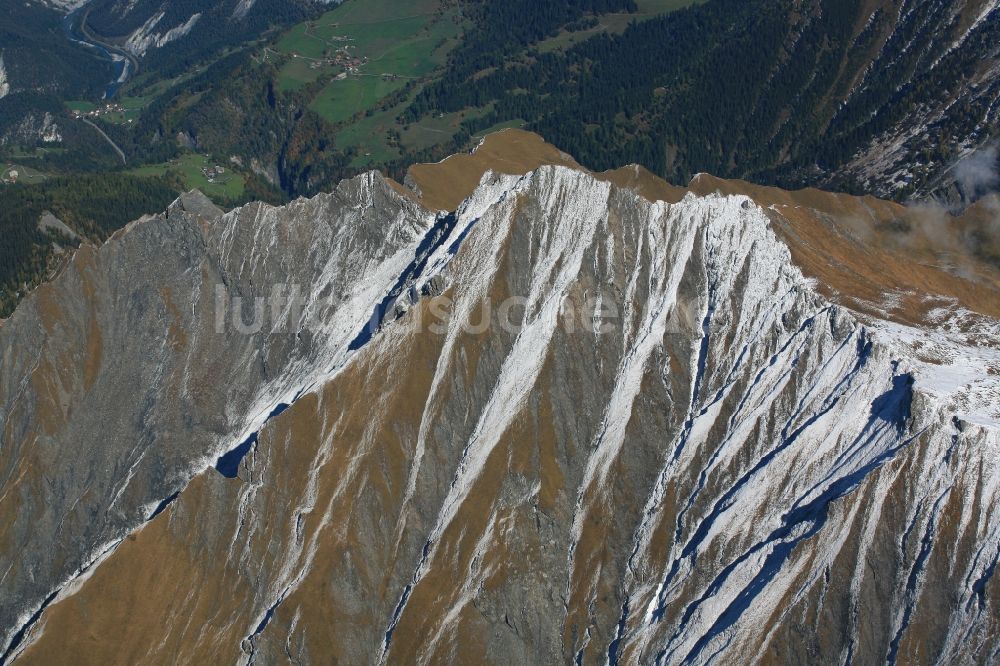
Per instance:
x=25, y=256
x=81, y=149
x=701, y=89
x=43, y=66
x=502, y=27
x=220, y=25
x=46, y=66
x=502, y=30
x=777, y=92
x=309, y=160
x=18, y=107
x=233, y=108
x=761, y=89
x=38, y=56
x=99, y=204
x=94, y=206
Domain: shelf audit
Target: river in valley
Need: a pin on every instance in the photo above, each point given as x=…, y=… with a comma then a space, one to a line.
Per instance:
x=124, y=63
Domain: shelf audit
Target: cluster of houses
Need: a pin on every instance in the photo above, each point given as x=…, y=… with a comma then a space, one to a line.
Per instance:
x=112, y=107
x=341, y=58
x=213, y=172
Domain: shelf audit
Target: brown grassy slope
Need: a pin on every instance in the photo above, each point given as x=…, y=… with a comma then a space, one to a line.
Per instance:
x=877, y=257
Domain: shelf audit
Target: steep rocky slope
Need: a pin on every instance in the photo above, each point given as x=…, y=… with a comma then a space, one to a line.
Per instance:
x=574, y=417
x=143, y=27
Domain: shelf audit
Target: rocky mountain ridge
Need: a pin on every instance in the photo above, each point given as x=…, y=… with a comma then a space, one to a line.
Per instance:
x=521, y=412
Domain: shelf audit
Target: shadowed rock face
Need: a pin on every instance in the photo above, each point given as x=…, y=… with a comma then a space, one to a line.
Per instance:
x=588, y=427
x=136, y=377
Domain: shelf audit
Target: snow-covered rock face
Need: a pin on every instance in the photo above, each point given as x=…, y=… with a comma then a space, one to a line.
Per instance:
x=34, y=127
x=147, y=37
x=243, y=7
x=4, y=82
x=584, y=427
x=64, y=5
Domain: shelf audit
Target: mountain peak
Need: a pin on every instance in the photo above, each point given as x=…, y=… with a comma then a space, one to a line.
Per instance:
x=403, y=423
x=196, y=203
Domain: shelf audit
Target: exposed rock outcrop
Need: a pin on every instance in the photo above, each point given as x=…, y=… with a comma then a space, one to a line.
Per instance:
x=569, y=420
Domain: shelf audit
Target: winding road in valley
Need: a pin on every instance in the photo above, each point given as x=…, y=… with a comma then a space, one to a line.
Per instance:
x=77, y=30
x=114, y=145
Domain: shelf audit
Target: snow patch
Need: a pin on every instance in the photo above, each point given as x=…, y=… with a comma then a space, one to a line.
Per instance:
x=65, y=6
x=242, y=9
x=956, y=361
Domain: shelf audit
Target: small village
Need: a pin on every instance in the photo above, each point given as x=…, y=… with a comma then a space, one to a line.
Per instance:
x=101, y=111
x=212, y=173
x=342, y=57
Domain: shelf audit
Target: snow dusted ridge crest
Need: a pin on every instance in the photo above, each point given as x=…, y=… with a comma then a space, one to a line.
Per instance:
x=713, y=476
